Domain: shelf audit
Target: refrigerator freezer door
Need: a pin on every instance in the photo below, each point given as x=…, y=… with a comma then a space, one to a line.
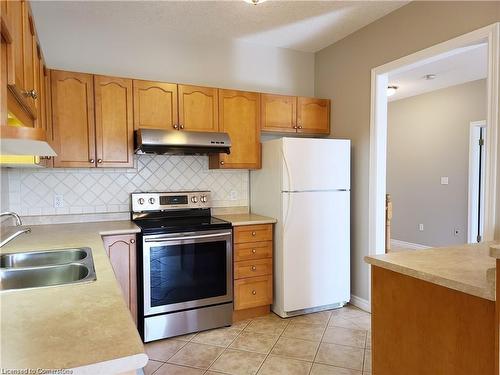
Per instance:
x=316, y=249
x=316, y=164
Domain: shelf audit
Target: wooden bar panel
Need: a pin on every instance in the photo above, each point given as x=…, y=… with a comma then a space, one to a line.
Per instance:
x=419, y=328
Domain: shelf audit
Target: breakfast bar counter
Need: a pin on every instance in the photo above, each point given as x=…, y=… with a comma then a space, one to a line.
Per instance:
x=85, y=327
x=433, y=311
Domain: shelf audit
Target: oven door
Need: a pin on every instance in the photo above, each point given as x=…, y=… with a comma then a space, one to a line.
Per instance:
x=187, y=270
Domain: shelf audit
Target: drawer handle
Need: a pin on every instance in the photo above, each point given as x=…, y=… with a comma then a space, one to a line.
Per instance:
x=132, y=241
x=254, y=268
x=254, y=292
x=254, y=233
x=254, y=251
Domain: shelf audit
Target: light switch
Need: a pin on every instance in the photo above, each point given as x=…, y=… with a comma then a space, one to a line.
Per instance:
x=444, y=180
x=421, y=227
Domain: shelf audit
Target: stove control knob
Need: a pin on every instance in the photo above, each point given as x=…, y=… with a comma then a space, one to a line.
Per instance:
x=203, y=199
x=151, y=200
x=141, y=201
x=194, y=199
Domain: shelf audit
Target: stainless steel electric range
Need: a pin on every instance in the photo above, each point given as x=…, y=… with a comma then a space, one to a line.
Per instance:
x=184, y=264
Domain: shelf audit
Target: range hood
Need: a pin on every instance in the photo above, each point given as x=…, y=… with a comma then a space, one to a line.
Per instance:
x=175, y=142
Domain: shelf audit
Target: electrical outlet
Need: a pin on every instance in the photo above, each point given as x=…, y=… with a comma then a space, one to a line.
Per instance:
x=444, y=180
x=58, y=201
x=233, y=195
x=421, y=227
x=456, y=231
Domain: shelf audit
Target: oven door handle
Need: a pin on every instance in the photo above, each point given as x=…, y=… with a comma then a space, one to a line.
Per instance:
x=166, y=238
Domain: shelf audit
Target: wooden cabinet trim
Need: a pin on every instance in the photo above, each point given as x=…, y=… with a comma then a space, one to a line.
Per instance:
x=253, y=250
x=284, y=119
x=253, y=268
x=253, y=233
x=199, y=118
x=315, y=122
x=253, y=292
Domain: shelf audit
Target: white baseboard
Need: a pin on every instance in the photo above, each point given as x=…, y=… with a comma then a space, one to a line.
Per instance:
x=360, y=303
x=407, y=245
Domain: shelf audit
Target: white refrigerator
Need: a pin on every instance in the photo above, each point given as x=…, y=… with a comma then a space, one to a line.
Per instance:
x=305, y=185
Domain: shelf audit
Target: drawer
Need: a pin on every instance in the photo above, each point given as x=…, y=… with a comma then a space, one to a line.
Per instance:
x=253, y=292
x=251, y=268
x=253, y=233
x=253, y=250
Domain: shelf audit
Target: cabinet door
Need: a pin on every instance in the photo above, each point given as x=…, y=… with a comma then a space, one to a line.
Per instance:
x=239, y=116
x=279, y=113
x=155, y=105
x=198, y=108
x=113, y=122
x=121, y=250
x=313, y=116
x=29, y=53
x=73, y=119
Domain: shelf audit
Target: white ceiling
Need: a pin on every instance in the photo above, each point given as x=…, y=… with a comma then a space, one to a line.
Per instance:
x=460, y=66
x=306, y=26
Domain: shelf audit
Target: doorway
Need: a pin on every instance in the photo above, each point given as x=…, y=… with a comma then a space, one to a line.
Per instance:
x=378, y=129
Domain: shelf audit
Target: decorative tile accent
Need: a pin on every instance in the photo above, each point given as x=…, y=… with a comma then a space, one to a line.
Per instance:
x=95, y=190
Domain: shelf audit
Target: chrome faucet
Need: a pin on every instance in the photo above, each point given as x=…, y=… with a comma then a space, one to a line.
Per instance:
x=18, y=232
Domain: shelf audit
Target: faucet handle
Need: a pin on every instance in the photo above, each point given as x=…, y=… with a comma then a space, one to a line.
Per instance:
x=14, y=215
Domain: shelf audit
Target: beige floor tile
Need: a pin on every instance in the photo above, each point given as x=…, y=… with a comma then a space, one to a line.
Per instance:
x=320, y=369
x=268, y=326
x=241, y=325
x=254, y=342
x=340, y=321
x=295, y=348
x=363, y=322
x=187, y=337
x=168, y=369
x=369, y=340
x=312, y=332
x=367, y=364
x=151, y=367
x=349, y=312
x=196, y=355
x=341, y=356
x=274, y=365
x=219, y=337
x=314, y=318
x=345, y=336
x=162, y=350
x=237, y=362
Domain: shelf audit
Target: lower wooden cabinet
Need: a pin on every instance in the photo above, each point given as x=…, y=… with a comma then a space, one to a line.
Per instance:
x=253, y=270
x=121, y=250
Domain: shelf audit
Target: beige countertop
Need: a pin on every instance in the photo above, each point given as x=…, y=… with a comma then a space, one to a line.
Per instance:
x=246, y=219
x=86, y=327
x=495, y=251
x=466, y=268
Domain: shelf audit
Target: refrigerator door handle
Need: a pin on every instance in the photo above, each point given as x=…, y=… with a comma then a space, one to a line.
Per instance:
x=289, y=187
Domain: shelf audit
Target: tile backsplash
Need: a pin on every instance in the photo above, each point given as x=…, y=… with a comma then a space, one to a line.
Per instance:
x=93, y=190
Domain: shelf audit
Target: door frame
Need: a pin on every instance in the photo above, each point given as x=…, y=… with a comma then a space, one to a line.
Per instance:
x=378, y=129
x=473, y=187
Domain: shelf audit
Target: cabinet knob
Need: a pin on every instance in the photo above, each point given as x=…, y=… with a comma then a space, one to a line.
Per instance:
x=254, y=268
x=295, y=126
x=254, y=292
x=254, y=251
x=300, y=126
x=182, y=126
x=176, y=126
x=132, y=241
x=222, y=162
x=91, y=161
x=99, y=161
x=254, y=233
x=31, y=94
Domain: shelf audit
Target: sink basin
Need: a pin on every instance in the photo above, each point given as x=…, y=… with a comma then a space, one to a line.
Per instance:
x=42, y=258
x=20, y=278
x=38, y=269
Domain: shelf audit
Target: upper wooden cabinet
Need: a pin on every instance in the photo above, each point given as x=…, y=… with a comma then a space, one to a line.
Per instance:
x=92, y=120
x=114, y=122
x=198, y=108
x=155, y=105
x=239, y=116
x=291, y=114
x=73, y=119
x=313, y=115
x=279, y=113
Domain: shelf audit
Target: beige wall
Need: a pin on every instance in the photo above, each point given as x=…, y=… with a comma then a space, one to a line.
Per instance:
x=428, y=138
x=343, y=74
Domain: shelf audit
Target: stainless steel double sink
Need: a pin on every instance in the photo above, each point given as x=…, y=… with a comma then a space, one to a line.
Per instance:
x=37, y=269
